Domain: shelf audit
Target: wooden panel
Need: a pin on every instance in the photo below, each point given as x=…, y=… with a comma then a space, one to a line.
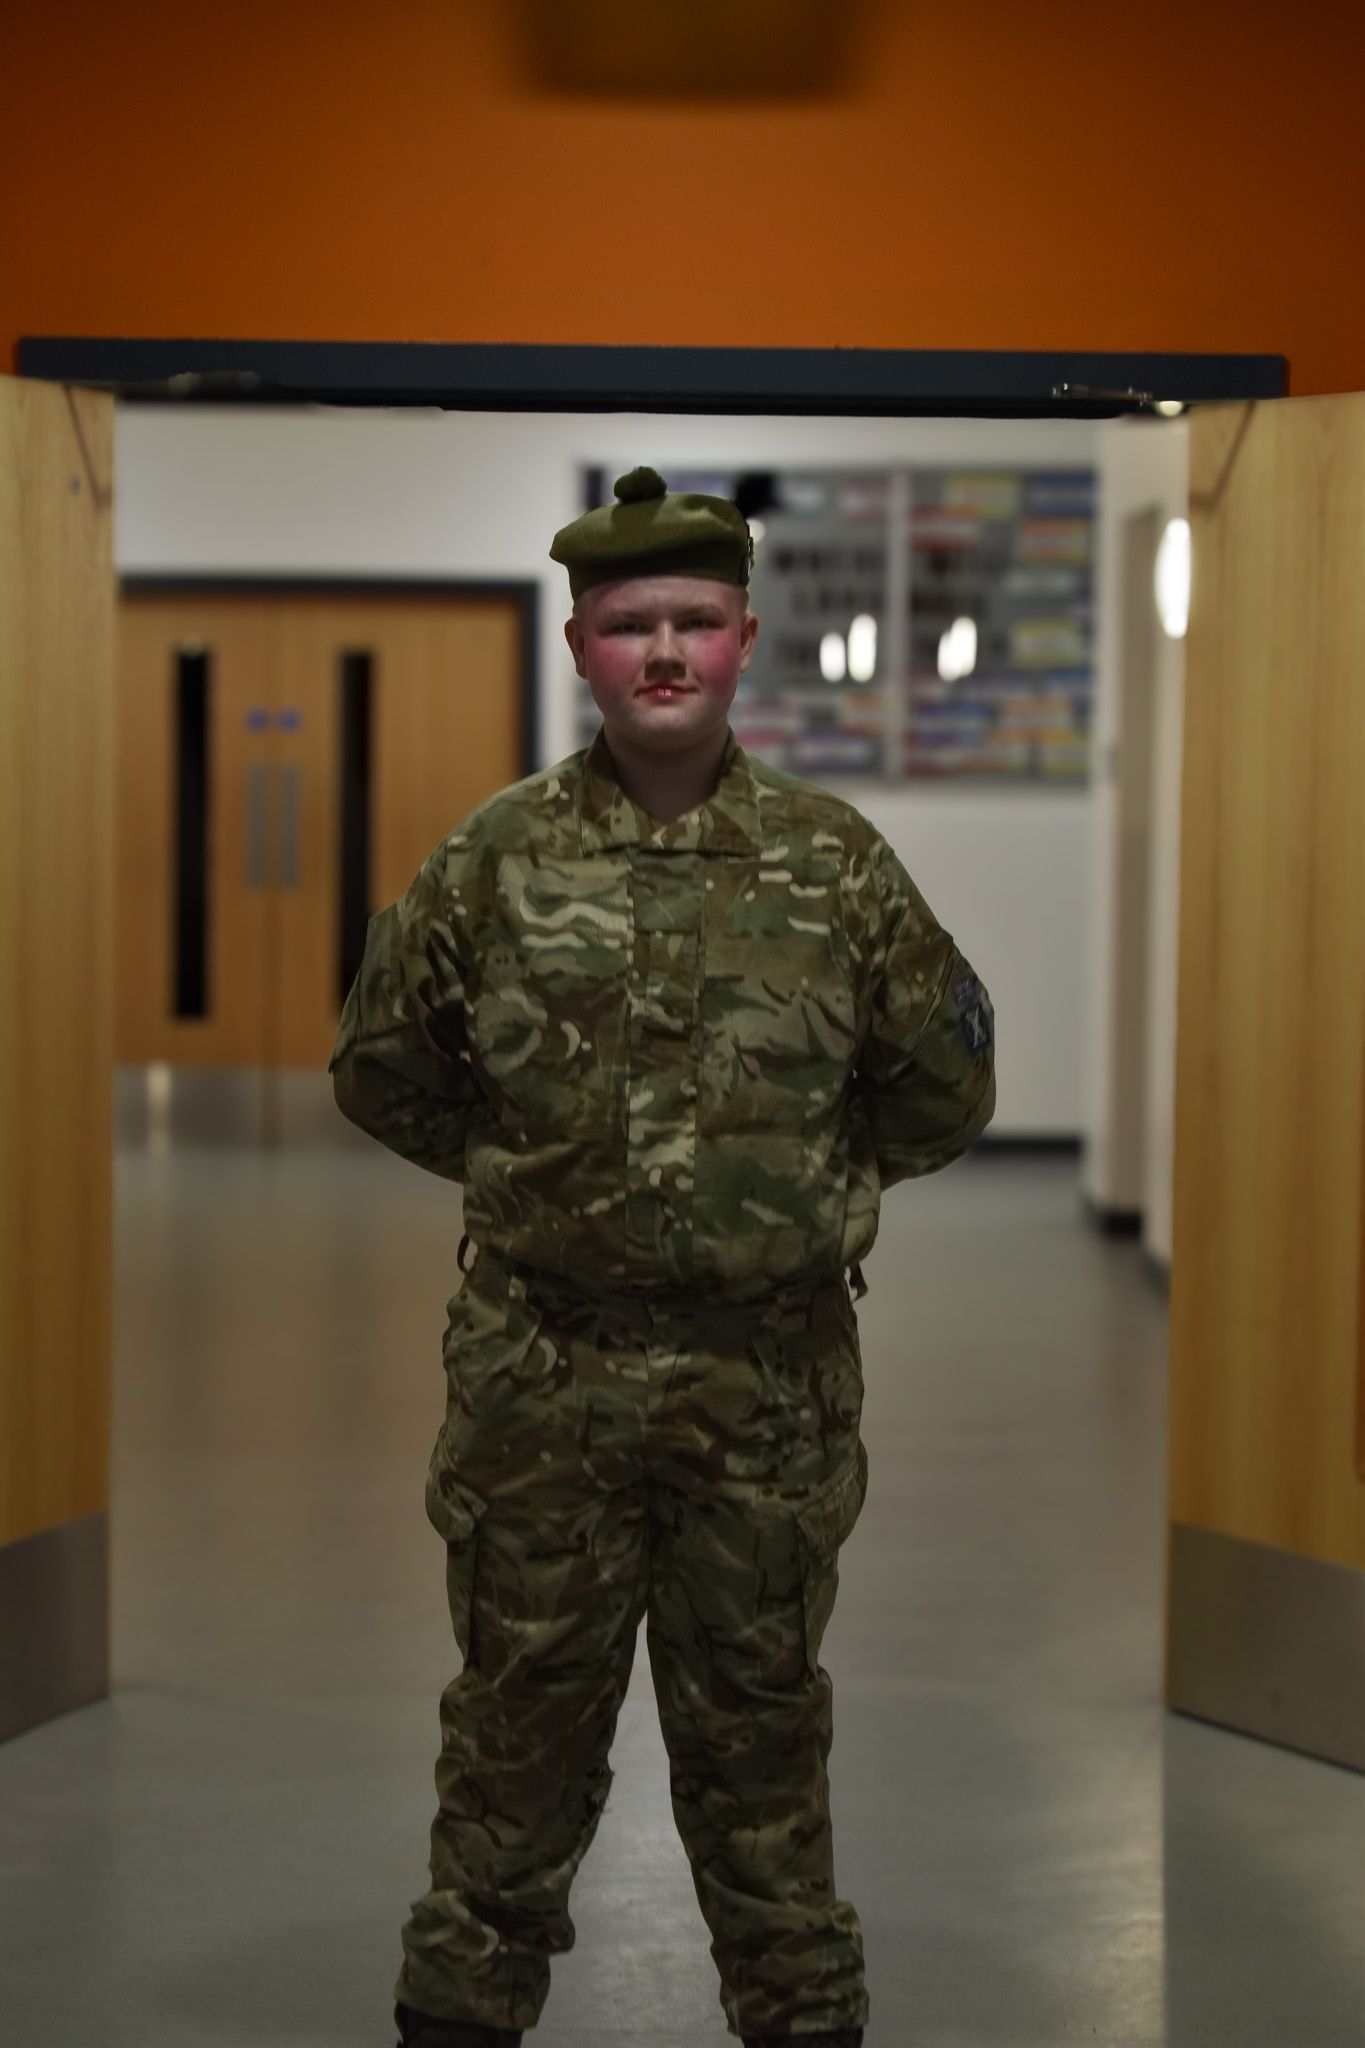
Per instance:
x=235, y=632
x=56, y=1136
x=308, y=637
x=1270, y=1109
x=448, y=729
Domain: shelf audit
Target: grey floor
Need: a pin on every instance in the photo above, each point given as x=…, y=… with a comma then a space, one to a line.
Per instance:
x=223, y=1851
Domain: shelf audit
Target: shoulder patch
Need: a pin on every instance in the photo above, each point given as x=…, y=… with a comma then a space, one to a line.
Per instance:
x=975, y=1017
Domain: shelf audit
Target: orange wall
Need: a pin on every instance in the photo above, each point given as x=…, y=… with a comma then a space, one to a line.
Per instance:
x=1008, y=174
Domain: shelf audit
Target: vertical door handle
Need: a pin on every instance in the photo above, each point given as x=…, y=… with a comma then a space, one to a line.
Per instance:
x=289, y=825
x=255, y=825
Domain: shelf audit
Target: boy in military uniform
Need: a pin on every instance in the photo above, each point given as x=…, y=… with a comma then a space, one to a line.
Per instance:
x=675, y=1020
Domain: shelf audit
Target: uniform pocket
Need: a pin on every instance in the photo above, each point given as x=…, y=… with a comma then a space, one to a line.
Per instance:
x=493, y=1346
x=547, y=1000
x=823, y=1522
x=814, y=1358
x=454, y=1510
x=779, y=1013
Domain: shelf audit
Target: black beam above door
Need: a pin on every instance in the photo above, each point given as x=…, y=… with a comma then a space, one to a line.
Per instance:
x=535, y=377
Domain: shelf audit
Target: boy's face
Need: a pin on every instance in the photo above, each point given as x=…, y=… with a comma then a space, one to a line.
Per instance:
x=662, y=655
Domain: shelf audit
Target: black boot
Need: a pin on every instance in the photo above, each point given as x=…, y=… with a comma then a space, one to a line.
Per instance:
x=418, y=2030
x=846, y=2037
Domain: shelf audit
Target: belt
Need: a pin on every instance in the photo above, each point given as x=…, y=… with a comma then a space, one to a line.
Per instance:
x=537, y=1281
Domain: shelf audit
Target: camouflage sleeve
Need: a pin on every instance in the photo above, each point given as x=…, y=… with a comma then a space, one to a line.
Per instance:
x=400, y=1066
x=927, y=1066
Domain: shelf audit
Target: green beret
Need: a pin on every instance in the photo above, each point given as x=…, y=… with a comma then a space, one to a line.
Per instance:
x=652, y=531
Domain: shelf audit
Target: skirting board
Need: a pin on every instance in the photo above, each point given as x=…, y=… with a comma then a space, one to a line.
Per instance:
x=54, y=1623
x=1267, y=1642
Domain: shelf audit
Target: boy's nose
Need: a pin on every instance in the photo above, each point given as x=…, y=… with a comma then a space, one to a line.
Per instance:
x=664, y=654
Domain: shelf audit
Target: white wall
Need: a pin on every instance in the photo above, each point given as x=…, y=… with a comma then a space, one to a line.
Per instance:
x=413, y=491
x=1143, y=463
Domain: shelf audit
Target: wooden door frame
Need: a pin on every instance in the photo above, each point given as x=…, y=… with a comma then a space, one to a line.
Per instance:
x=56, y=1250
x=525, y=594
x=1131, y=960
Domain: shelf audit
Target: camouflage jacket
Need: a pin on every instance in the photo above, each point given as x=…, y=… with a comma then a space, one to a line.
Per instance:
x=667, y=1056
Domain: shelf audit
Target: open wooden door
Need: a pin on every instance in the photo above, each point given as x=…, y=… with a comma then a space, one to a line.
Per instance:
x=1266, y=1628
x=56, y=1139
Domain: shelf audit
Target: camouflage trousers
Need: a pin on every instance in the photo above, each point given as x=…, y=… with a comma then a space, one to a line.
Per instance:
x=603, y=1461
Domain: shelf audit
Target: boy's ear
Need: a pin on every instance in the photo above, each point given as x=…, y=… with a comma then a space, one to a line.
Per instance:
x=573, y=633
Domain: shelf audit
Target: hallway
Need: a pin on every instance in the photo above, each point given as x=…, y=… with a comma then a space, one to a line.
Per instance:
x=223, y=1852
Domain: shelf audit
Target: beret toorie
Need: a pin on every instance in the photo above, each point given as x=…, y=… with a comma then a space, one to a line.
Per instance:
x=652, y=531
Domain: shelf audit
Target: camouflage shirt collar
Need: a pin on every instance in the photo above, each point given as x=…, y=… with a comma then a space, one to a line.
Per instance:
x=726, y=823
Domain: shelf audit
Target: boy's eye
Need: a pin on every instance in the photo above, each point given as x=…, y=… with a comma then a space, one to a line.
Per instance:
x=688, y=625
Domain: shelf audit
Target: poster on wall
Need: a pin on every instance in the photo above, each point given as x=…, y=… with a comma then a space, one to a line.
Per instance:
x=1000, y=607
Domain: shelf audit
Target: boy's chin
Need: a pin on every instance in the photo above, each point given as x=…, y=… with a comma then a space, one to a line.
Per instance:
x=662, y=738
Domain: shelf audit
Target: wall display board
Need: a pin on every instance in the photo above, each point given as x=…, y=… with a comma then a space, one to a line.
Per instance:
x=1001, y=623
x=935, y=622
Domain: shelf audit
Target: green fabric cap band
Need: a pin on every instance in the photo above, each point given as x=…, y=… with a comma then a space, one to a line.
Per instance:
x=652, y=531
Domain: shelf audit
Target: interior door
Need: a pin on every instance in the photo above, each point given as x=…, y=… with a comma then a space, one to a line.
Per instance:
x=1267, y=1393
x=395, y=716
x=287, y=760
x=194, y=765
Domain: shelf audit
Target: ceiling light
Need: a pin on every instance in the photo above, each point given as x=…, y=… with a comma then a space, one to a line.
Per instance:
x=1172, y=580
x=957, y=651
x=862, y=648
